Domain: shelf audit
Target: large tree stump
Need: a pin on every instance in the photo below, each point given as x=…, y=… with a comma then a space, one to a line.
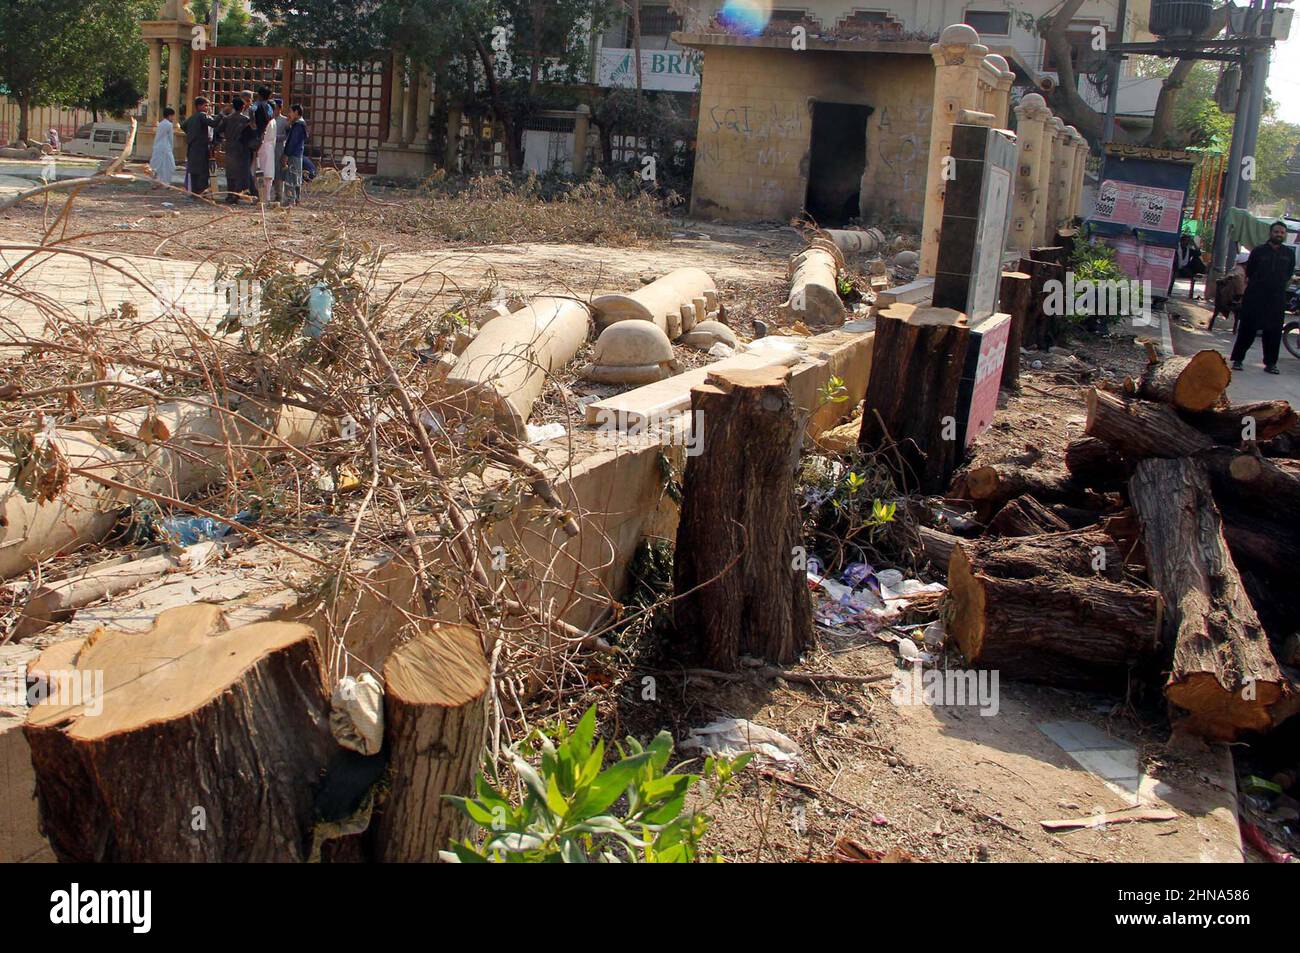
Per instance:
x=1223, y=673
x=1053, y=608
x=1040, y=329
x=734, y=573
x=1015, y=297
x=912, y=396
x=1139, y=428
x=1193, y=383
x=435, y=716
x=207, y=748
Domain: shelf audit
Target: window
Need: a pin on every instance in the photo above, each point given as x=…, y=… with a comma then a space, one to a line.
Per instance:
x=102, y=135
x=119, y=138
x=990, y=22
x=83, y=132
x=869, y=21
x=656, y=21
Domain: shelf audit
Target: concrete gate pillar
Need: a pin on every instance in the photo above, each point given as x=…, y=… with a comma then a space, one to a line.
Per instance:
x=581, y=128
x=174, y=76
x=422, y=132
x=999, y=101
x=958, y=58
x=155, y=81
x=395, y=100
x=1031, y=133
x=1081, y=152
x=1047, y=176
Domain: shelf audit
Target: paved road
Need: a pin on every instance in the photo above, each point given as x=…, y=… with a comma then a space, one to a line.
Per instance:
x=1190, y=335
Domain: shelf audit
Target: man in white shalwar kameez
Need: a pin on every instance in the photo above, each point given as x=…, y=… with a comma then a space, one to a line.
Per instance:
x=162, y=161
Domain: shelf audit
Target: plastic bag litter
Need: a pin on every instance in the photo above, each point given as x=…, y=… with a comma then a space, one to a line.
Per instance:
x=357, y=713
x=729, y=737
x=320, y=311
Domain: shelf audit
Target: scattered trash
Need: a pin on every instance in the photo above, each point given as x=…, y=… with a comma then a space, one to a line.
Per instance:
x=721, y=350
x=320, y=311
x=537, y=433
x=357, y=713
x=188, y=530
x=729, y=737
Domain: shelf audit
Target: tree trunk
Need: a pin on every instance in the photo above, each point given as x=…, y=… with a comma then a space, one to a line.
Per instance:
x=1052, y=608
x=734, y=572
x=435, y=715
x=993, y=486
x=1195, y=383
x=24, y=111
x=1267, y=487
x=513, y=152
x=917, y=361
x=1039, y=332
x=1025, y=516
x=1138, y=429
x=1015, y=297
x=1223, y=674
x=1093, y=462
x=207, y=748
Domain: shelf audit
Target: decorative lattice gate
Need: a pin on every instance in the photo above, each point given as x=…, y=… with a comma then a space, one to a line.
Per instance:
x=346, y=106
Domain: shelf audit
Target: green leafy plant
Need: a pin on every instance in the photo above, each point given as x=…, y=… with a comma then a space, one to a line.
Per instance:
x=575, y=809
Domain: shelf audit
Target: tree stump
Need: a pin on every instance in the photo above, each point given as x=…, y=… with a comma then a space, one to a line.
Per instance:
x=207, y=748
x=1052, y=608
x=1039, y=328
x=1223, y=673
x=1015, y=297
x=913, y=394
x=435, y=715
x=734, y=572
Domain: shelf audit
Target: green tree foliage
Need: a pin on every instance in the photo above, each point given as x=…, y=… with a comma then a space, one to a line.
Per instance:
x=237, y=27
x=69, y=52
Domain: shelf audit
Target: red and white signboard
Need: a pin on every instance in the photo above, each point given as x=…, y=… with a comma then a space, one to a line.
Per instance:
x=1152, y=263
x=990, y=337
x=1139, y=206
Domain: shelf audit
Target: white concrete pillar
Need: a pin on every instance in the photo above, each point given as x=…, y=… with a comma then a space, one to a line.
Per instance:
x=1047, y=180
x=1027, y=214
x=1081, y=151
x=396, y=105
x=411, y=102
x=999, y=102
x=174, y=76
x=581, y=128
x=155, y=81
x=958, y=59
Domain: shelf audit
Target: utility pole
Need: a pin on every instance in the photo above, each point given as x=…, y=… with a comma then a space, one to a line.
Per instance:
x=1263, y=26
x=1232, y=181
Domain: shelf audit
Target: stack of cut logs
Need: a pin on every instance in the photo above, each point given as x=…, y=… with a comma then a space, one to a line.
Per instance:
x=1157, y=549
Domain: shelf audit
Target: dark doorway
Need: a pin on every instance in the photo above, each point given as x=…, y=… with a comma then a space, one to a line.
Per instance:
x=839, y=157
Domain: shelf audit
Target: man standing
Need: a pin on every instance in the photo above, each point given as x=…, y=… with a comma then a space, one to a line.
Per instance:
x=281, y=133
x=232, y=132
x=198, y=138
x=1263, y=307
x=294, y=144
x=264, y=120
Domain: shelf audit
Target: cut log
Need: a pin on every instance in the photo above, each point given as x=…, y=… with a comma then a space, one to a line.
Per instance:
x=1095, y=463
x=1243, y=423
x=1015, y=297
x=918, y=357
x=435, y=716
x=1260, y=543
x=1025, y=516
x=1223, y=674
x=182, y=744
x=1052, y=608
x=1193, y=383
x=1126, y=530
x=1137, y=429
x=734, y=573
x=1267, y=486
x=997, y=483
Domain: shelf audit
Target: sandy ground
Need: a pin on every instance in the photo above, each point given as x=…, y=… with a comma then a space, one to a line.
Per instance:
x=938, y=783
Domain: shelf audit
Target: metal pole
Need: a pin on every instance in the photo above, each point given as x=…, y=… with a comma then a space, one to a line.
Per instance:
x=1113, y=71
x=1262, y=26
x=1232, y=180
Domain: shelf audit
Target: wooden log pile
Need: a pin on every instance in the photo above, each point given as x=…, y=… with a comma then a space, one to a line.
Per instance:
x=1158, y=549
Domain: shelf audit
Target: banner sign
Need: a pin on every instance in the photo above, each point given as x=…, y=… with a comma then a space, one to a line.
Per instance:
x=673, y=70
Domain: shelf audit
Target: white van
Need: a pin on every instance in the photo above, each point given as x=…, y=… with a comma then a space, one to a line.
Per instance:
x=98, y=139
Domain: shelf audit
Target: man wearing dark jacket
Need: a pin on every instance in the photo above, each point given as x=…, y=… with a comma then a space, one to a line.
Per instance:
x=1263, y=307
x=198, y=138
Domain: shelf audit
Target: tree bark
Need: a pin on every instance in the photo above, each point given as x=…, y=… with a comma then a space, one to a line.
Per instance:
x=1223, y=674
x=1093, y=462
x=1025, y=516
x=1267, y=487
x=1194, y=383
x=1052, y=608
x=1138, y=429
x=1242, y=423
x=1015, y=297
x=435, y=716
x=1039, y=332
x=204, y=745
x=734, y=573
x=994, y=485
x=917, y=361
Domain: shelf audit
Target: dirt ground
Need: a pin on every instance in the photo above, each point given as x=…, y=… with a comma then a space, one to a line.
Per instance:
x=935, y=783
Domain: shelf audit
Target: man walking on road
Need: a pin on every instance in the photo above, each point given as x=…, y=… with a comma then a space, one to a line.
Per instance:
x=1263, y=308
